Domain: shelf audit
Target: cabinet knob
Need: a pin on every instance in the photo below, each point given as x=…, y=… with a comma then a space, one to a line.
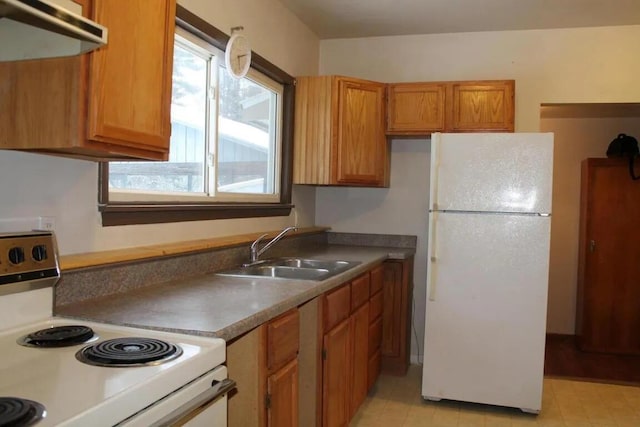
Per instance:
x=592, y=245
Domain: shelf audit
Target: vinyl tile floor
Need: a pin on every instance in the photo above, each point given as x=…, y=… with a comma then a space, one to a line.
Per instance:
x=397, y=402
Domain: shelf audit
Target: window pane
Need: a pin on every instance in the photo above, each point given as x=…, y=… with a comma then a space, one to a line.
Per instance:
x=247, y=126
x=184, y=172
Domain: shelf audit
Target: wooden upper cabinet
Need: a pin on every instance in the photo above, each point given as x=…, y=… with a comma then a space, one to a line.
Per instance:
x=339, y=136
x=130, y=78
x=482, y=106
x=467, y=106
x=110, y=104
x=415, y=108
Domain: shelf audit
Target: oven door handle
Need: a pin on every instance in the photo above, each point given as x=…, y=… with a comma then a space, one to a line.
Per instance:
x=180, y=415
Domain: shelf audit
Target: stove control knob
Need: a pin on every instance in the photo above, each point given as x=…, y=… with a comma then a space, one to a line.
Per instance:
x=39, y=252
x=16, y=255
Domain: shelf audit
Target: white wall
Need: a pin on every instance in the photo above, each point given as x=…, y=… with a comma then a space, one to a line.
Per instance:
x=549, y=66
x=33, y=185
x=576, y=138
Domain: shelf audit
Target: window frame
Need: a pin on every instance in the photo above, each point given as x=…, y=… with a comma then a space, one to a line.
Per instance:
x=128, y=213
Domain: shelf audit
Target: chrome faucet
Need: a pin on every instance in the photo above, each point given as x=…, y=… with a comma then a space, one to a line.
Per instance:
x=255, y=252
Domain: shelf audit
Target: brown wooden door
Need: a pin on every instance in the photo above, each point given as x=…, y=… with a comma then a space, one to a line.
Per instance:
x=482, y=106
x=335, y=379
x=361, y=146
x=415, y=108
x=609, y=277
x=130, y=78
x=360, y=353
x=282, y=388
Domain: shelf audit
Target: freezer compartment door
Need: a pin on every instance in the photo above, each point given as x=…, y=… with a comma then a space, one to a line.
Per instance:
x=486, y=309
x=492, y=172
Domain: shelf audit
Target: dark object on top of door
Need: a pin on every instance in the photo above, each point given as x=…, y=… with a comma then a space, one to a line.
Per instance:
x=625, y=145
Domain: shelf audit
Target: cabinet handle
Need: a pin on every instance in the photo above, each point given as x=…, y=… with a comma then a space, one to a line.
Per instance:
x=592, y=246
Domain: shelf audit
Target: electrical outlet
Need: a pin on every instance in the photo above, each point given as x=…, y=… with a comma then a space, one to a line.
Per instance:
x=46, y=223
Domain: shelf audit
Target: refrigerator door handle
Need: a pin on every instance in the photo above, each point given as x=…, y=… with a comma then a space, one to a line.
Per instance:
x=433, y=266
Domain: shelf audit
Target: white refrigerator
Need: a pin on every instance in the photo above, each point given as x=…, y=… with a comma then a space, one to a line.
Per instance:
x=488, y=266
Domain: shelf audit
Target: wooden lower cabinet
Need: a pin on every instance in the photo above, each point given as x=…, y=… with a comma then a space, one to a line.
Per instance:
x=265, y=363
x=396, y=315
x=345, y=368
x=282, y=396
x=314, y=365
x=335, y=383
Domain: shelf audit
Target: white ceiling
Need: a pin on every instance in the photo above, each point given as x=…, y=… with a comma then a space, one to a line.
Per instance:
x=367, y=18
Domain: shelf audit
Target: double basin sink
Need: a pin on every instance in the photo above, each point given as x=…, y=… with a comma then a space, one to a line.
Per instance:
x=292, y=268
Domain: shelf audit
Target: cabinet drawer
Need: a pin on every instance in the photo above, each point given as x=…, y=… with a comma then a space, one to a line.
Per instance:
x=337, y=306
x=375, y=335
x=375, y=307
x=359, y=291
x=283, y=339
x=377, y=278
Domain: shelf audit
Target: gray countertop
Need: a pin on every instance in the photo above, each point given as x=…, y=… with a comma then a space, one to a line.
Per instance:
x=222, y=306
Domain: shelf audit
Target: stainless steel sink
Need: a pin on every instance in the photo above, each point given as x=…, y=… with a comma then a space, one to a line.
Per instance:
x=330, y=265
x=292, y=268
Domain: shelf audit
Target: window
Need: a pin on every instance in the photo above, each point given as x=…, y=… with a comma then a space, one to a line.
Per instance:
x=230, y=153
x=225, y=139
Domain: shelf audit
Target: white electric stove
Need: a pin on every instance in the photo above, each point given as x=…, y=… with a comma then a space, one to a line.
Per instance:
x=105, y=375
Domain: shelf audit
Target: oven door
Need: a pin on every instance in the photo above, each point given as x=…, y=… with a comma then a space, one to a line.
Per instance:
x=203, y=402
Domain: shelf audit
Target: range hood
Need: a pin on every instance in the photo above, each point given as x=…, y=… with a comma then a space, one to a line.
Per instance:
x=32, y=29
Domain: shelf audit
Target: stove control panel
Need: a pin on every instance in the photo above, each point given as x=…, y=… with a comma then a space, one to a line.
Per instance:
x=28, y=258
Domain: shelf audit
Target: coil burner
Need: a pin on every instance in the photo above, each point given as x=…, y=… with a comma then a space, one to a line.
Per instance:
x=18, y=412
x=125, y=352
x=59, y=336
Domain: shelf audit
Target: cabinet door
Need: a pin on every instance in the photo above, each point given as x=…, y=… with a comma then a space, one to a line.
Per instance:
x=361, y=148
x=608, y=306
x=335, y=379
x=396, y=316
x=415, y=108
x=482, y=106
x=360, y=339
x=130, y=85
x=282, y=387
x=375, y=335
x=391, y=309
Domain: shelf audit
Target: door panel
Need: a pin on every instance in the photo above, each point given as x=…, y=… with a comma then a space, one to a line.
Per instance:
x=283, y=391
x=611, y=269
x=130, y=85
x=501, y=172
x=391, y=309
x=360, y=334
x=361, y=146
x=486, y=308
x=335, y=369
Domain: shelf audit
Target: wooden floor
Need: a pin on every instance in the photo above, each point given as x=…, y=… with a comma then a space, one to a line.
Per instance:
x=563, y=359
